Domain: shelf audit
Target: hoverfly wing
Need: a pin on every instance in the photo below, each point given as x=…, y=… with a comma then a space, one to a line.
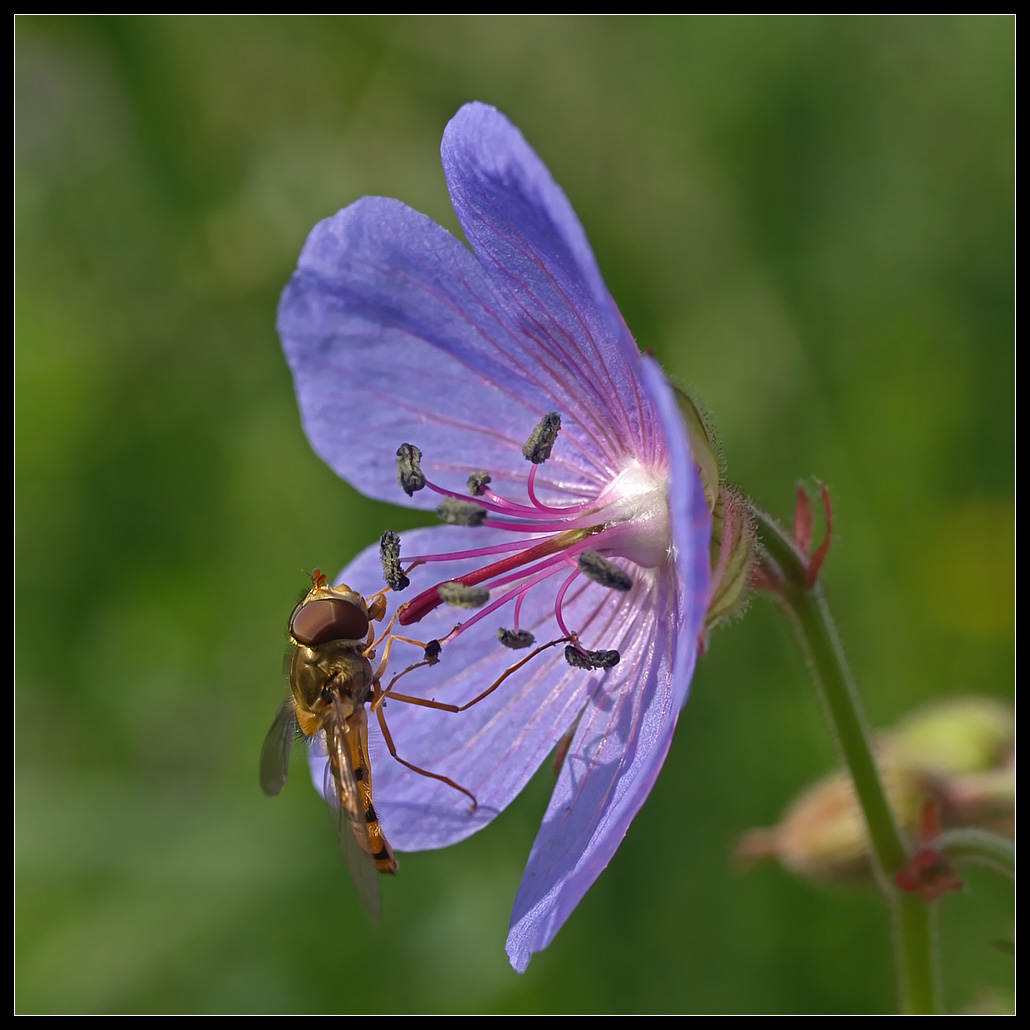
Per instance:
x=275, y=752
x=344, y=799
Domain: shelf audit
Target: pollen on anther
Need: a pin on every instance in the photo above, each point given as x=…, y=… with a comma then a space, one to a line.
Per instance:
x=458, y=595
x=457, y=512
x=580, y=659
x=409, y=469
x=515, y=639
x=600, y=570
x=538, y=447
x=477, y=483
x=390, y=559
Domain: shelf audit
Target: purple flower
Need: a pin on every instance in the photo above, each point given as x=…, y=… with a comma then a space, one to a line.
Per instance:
x=397, y=333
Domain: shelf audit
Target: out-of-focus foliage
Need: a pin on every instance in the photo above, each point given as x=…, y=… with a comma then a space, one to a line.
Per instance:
x=808, y=220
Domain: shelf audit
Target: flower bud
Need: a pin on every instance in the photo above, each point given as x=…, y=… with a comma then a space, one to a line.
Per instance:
x=822, y=834
x=957, y=752
x=959, y=735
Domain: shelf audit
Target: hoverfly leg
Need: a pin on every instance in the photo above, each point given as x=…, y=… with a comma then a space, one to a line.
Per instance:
x=392, y=639
x=381, y=716
x=511, y=670
x=377, y=608
x=381, y=695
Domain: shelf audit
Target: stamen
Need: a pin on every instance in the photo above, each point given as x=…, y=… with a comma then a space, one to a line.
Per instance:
x=538, y=447
x=532, y=511
x=538, y=525
x=624, y=520
x=516, y=639
x=560, y=599
x=460, y=595
x=419, y=607
x=518, y=609
x=493, y=503
x=541, y=572
x=477, y=483
x=409, y=474
x=602, y=571
x=409, y=471
x=531, y=490
x=390, y=558
x=478, y=552
x=458, y=512
x=580, y=659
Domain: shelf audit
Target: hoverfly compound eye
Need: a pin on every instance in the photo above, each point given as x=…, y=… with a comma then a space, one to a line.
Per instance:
x=327, y=618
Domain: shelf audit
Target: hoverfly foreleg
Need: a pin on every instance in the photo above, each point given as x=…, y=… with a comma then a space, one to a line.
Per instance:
x=377, y=607
x=381, y=696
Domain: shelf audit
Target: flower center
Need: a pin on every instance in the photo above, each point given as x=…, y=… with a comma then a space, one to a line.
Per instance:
x=608, y=539
x=637, y=503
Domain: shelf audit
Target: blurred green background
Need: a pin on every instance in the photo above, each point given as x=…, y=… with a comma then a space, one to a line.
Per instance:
x=810, y=221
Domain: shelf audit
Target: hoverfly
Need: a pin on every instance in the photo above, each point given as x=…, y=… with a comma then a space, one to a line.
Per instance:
x=332, y=678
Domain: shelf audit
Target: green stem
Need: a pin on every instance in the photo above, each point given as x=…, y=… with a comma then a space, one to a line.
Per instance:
x=809, y=616
x=915, y=931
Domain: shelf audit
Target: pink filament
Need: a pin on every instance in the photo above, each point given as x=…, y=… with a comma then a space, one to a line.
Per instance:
x=556, y=550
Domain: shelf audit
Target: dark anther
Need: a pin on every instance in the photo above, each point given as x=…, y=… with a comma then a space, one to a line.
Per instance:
x=538, y=447
x=579, y=659
x=390, y=558
x=477, y=483
x=458, y=595
x=515, y=639
x=433, y=650
x=457, y=512
x=602, y=571
x=409, y=471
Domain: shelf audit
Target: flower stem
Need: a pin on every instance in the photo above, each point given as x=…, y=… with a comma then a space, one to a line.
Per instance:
x=807, y=612
x=915, y=931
